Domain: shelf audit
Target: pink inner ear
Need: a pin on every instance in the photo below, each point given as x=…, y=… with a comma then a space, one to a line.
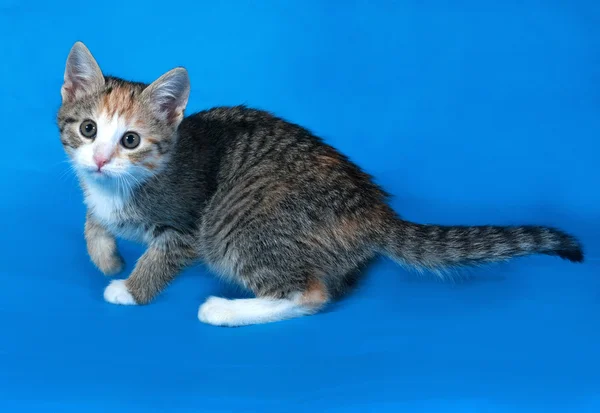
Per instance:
x=69, y=91
x=168, y=95
x=72, y=86
x=170, y=108
x=167, y=108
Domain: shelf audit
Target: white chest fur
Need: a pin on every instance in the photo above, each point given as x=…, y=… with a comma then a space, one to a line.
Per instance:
x=110, y=209
x=106, y=207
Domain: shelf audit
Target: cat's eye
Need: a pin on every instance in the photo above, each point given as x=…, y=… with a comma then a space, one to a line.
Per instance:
x=88, y=129
x=130, y=140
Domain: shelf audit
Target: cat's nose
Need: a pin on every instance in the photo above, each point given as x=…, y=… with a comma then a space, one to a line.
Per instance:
x=100, y=160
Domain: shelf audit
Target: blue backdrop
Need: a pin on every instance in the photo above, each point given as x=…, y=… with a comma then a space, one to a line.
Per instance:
x=469, y=112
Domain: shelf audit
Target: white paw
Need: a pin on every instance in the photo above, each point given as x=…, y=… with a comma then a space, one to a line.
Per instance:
x=217, y=311
x=117, y=293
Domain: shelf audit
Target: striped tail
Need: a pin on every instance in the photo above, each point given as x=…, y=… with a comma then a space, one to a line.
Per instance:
x=437, y=247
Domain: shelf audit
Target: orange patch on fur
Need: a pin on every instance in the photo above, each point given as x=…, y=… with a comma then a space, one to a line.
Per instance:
x=315, y=294
x=119, y=100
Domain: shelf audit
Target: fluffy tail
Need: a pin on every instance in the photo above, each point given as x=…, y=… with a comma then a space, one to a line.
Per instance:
x=437, y=247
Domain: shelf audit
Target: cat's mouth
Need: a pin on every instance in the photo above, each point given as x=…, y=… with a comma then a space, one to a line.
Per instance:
x=100, y=174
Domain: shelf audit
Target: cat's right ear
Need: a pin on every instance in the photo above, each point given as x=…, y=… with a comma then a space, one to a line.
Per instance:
x=82, y=74
x=168, y=95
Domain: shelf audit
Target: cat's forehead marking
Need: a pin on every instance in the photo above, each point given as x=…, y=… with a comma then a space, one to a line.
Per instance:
x=119, y=100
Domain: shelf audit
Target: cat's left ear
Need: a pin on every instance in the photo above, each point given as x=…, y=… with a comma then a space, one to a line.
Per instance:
x=168, y=95
x=82, y=74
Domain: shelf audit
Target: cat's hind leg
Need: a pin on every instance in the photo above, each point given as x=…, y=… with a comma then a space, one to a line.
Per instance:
x=263, y=309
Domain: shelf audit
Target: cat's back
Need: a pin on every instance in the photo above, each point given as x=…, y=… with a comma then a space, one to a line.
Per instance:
x=265, y=162
x=232, y=142
x=240, y=144
x=243, y=139
x=228, y=125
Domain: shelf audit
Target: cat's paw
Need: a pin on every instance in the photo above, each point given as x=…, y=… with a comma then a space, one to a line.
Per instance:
x=117, y=293
x=110, y=264
x=217, y=311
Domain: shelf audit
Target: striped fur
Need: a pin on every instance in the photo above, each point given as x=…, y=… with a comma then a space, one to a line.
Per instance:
x=261, y=200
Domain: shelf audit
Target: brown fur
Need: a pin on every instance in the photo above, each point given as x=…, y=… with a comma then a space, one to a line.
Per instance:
x=328, y=160
x=315, y=295
x=343, y=232
x=102, y=247
x=139, y=155
x=120, y=100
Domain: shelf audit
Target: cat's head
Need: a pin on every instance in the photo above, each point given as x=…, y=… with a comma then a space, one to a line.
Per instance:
x=116, y=131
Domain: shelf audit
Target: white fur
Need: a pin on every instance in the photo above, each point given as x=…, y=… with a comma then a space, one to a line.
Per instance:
x=231, y=313
x=107, y=193
x=110, y=130
x=118, y=175
x=117, y=293
x=104, y=203
x=106, y=206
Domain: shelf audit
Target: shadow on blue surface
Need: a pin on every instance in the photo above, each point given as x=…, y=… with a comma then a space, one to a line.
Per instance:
x=487, y=112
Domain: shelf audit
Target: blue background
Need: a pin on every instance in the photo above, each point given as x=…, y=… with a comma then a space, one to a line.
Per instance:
x=469, y=112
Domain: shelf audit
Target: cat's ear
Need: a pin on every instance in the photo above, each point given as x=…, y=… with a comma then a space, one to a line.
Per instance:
x=82, y=74
x=168, y=95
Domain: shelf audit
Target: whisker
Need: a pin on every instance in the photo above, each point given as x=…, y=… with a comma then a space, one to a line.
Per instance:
x=139, y=185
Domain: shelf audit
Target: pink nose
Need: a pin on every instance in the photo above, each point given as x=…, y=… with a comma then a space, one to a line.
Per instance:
x=100, y=161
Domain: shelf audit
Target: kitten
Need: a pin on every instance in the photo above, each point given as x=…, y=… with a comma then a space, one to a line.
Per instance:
x=262, y=201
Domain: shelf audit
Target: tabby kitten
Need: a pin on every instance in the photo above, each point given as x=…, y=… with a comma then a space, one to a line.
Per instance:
x=262, y=201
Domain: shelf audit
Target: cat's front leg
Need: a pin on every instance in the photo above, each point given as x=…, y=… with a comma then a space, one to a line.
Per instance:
x=102, y=247
x=167, y=254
